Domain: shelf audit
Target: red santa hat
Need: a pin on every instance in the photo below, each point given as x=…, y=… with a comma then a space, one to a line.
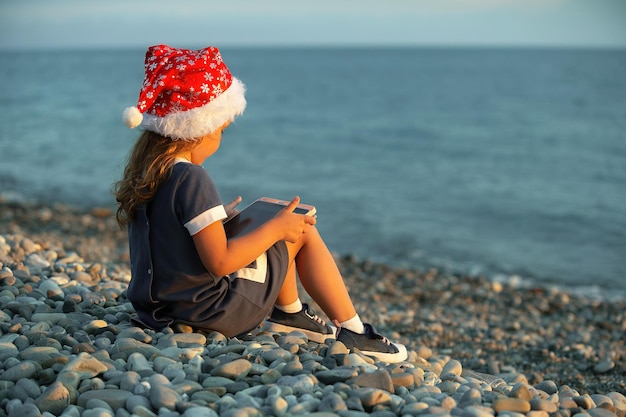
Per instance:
x=186, y=94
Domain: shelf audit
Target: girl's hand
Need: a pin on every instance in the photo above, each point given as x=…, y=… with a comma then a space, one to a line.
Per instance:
x=293, y=225
x=231, y=208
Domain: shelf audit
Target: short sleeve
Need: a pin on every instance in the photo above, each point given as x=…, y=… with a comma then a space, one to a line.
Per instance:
x=198, y=203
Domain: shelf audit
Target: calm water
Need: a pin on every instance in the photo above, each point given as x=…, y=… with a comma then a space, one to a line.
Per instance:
x=496, y=162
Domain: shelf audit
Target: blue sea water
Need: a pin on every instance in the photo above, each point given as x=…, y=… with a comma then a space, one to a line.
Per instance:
x=509, y=163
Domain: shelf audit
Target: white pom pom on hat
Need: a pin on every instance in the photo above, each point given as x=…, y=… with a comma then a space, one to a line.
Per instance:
x=132, y=117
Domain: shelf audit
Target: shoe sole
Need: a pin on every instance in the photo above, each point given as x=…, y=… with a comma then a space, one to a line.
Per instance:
x=399, y=356
x=311, y=335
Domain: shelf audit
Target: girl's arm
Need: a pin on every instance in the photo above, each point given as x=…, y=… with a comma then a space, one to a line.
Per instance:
x=223, y=257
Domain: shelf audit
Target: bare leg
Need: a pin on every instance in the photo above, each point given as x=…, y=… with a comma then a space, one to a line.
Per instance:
x=319, y=275
x=289, y=291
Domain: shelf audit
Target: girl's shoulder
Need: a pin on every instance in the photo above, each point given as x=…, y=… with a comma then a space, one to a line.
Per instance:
x=186, y=172
x=188, y=168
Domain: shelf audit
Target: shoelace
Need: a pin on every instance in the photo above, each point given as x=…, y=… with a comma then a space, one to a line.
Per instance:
x=383, y=339
x=314, y=317
x=380, y=337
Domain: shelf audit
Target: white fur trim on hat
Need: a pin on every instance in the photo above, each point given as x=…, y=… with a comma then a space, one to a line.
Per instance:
x=198, y=122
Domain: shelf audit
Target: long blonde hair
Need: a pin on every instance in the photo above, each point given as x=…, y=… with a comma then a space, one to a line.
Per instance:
x=149, y=164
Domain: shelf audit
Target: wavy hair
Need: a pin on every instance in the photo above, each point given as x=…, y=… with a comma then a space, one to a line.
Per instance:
x=149, y=165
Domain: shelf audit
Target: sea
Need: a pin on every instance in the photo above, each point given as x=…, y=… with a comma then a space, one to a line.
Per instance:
x=508, y=163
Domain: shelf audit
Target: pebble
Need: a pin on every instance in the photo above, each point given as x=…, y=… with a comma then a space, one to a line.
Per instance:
x=67, y=348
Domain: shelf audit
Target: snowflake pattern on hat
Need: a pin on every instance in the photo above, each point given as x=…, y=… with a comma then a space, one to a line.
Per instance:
x=186, y=93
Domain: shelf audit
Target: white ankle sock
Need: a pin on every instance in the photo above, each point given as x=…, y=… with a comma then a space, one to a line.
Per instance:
x=354, y=324
x=294, y=307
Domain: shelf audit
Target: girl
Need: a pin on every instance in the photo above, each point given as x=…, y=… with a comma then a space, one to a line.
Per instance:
x=185, y=272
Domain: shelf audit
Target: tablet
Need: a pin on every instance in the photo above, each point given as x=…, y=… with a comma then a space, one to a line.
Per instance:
x=259, y=212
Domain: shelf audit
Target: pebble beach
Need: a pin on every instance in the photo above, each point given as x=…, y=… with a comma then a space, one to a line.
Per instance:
x=477, y=348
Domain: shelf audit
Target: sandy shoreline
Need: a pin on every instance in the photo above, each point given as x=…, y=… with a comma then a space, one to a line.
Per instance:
x=532, y=334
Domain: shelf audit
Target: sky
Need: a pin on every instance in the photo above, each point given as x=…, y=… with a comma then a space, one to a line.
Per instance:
x=45, y=24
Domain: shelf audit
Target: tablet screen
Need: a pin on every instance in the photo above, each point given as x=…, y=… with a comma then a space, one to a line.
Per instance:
x=253, y=216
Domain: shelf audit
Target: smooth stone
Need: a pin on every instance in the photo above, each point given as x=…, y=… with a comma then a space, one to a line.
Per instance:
x=258, y=369
x=339, y=374
x=537, y=413
x=414, y=408
x=452, y=367
x=372, y=397
x=226, y=403
x=135, y=333
x=223, y=350
x=295, y=337
x=54, y=399
x=183, y=340
x=510, y=414
x=204, y=396
x=547, y=386
x=272, y=355
x=568, y=403
x=279, y=405
x=543, y=405
x=37, y=261
x=332, y=402
x=511, y=404
x=23, y=410
x=200, y=411
x=235, y=370
x=242, y=412
x=403, y=379
x=601, y=412
x=127, y=346
x=584, y=401
x=617, y=397
x=73, y=411
x=135, y=401
x=567, y=391
x=40, y=354
x=304, y=407
x=51, y=289
x=337, y=348
x=604, y=366
x=97, y=412
x=86, y=365
x=292, y=367
x=448, y=387
x=478, y=411
x=448, y=403
x=161, y=363
x=379, y=379
x=115, y=398
x=24, y=389
x=81, y=276
x=8, y=350
x=182, y=354
x=25, y=369
x=137, y=362
x=216, y=381
x=245, y=400
x=300, y=384
x=97, y=403
x=162, y=394
x=470, y=397
x=270, y=376
x=521, y=391
x=600, y=399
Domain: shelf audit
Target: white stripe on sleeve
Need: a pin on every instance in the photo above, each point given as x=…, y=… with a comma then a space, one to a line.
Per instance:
x=206, y=218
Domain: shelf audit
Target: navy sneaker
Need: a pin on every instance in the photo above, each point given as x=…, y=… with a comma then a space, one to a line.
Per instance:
x=372, y=343
x=305, y=321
